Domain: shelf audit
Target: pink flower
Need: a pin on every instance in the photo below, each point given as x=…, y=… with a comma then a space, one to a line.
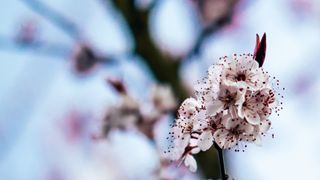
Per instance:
x=244, y=72
x=232, y=105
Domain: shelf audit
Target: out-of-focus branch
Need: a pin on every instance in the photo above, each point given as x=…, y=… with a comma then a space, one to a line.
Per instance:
x=209, y=30
x=51, y=49
x=215, y=24
x=165, y=68
x=55, y=17
x=60, y=50
x=85, y=57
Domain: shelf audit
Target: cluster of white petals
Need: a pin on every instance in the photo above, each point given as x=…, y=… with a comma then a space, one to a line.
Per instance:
x=130, y=114
x=231, y=105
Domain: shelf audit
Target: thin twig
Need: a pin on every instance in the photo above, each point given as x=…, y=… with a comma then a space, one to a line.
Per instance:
x=55, y=17
x=211, y=29
x=213, y=26
x=52, y=49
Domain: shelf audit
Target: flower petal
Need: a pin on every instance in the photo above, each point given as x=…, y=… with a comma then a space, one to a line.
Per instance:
x=257, y=140
x=205, y=140
x=233, y=111
x=240, y=111
x=252, y=117
x=264, y=126
x=220, y=137
x=214, y=107
x=195, y=150
x=228, y=122
x=191, y=163
x=231, y=142
x=188, y=108
x=246, y=128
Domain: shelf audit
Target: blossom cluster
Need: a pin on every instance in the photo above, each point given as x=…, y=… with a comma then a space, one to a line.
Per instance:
x=143, y=117
x=231, y=105
x=130, y=114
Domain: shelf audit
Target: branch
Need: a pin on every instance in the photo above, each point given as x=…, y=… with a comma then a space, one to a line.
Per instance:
x=55, y=17
x=213, y=26
x=211, y=29
x=84, y=58
x=165, y=69
x=38, y=46
x=223, y=174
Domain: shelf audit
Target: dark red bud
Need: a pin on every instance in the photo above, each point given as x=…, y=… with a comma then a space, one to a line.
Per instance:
x=260, y=49
x=85, y=59
x=117, y=85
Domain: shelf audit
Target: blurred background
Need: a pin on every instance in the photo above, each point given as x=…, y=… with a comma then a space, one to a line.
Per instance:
x=55, y=57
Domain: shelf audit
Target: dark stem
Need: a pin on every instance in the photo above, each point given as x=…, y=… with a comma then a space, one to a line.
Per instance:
x=223, y=174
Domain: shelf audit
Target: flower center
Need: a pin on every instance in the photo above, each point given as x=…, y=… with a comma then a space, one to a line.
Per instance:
x=241, y=77
x=228, y=97
x=236, y=130
x=244, y=104
x=188, y=129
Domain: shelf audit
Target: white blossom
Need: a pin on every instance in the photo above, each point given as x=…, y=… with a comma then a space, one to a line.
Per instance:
x=228, y=99
x=243, y=72
x=192, y=125
x=123, y=116
x=232, y=130
x=163, y=98
x=190, y=132
x=190, y=162
x=232, y=105
x=257, y=105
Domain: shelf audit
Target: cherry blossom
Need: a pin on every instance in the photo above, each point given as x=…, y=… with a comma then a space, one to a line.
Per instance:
x=257, y=105
x=232, y=105
x=243, y=71
x=163, y=98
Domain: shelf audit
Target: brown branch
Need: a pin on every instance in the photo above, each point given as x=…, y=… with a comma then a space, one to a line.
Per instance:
x=165, y=68
x=213, y=26
x=210, y=30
